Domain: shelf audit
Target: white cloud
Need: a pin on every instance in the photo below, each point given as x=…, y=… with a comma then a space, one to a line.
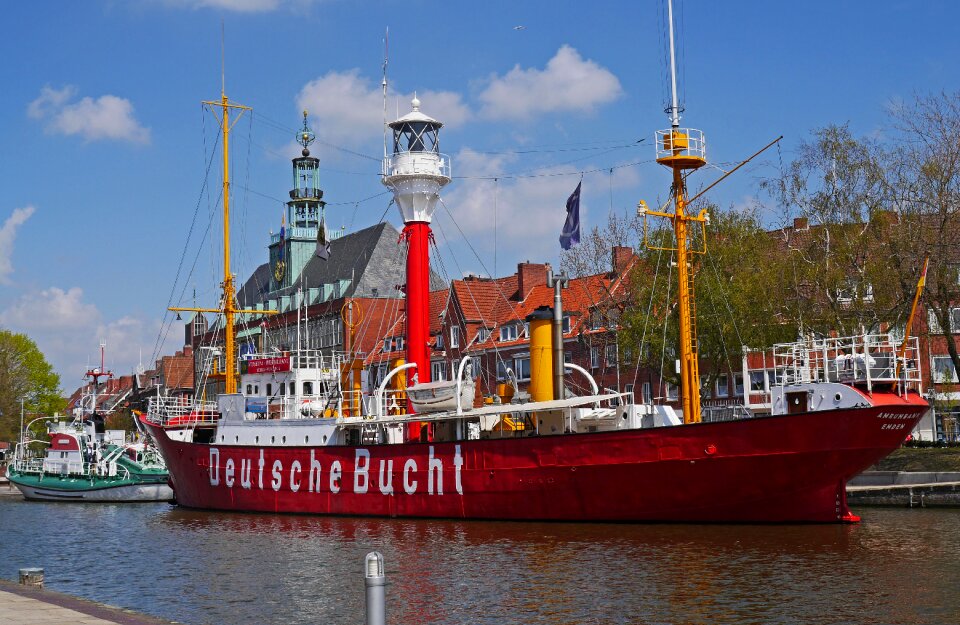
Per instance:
x=240, y=6
x=68, y=330
x=530, y=210
x=107, y=117
x=567, y=83
x=348, y=108
x=7, y=235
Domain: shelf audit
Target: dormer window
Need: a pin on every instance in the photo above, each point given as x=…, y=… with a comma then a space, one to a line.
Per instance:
x=508, y=332
x=566, y=324
x=596, y=320
x=483, y=334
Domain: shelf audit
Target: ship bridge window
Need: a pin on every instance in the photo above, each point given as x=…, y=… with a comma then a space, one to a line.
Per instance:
x=308, y=388
x=283, y=389
x=249, y=389
x=292, y=389
x=269, y=390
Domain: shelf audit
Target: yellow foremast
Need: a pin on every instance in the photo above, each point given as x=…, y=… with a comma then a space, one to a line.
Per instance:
x=228, y=308
x=683, y=150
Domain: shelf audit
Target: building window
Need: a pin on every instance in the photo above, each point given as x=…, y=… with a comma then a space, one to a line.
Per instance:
x=672, y=392
x=454, y=367
x=566, y=324
x=455, y=336
x=508, y=332
x=705, y=386
x=738, y=384
x=521, y=366
x=612, y=355
x=439, y=343
x=438, y=370
x=943, y=370
x=595, y=357
x=934, y=324
x=757, y=380
x=647, y=393
x=567, y=357
x=723, y=385
x=502, y=371
x=628, y=389
x=483, y=334
x=596, y=320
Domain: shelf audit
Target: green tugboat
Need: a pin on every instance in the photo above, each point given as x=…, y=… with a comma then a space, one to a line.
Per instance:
x=84, y=461
x=84, y=464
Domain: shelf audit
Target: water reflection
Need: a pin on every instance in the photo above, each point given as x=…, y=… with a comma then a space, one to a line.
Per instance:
x=896, y=566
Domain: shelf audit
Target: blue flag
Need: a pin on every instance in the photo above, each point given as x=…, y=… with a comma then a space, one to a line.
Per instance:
x=570, y=235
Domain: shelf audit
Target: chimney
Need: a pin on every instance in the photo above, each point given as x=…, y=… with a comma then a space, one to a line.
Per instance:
x=622, y=256
x=800, y=223
x=530, y=275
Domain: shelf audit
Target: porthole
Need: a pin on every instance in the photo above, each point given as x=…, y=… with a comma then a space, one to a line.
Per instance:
x=837, y=397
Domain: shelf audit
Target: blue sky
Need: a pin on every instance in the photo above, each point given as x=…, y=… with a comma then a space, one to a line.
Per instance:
x=105, y=140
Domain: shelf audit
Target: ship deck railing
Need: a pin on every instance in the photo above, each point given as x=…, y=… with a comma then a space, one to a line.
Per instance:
x=611, y=399
x=864, y=360
x=306, y=359
x=175, y=411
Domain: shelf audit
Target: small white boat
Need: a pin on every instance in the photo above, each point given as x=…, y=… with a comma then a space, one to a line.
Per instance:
x=441, y=396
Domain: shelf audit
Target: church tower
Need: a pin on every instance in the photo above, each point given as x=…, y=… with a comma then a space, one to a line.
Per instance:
x=294, y=245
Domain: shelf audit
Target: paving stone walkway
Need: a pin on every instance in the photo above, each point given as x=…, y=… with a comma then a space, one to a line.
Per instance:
x=22, y=605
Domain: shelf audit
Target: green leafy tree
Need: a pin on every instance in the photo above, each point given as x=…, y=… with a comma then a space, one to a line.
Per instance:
x=24, y=373
x=740, y=295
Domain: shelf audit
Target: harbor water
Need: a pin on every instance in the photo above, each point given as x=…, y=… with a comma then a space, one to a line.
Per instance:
x=897, y=566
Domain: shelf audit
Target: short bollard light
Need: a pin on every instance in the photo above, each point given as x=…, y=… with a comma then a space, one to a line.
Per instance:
x=32, y=577
x=376, y=583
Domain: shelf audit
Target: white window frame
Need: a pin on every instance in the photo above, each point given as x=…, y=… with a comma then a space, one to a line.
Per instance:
x=439, y=343
x=722, y=386
x=738, y=386
x=611, y=362
x=508, y=332
x=518, y=367
x=673, y=391
x=454, y=337
x=438, y=371
x=566, y=324
x=647, y=394
x=595, y=357
x=935, y=371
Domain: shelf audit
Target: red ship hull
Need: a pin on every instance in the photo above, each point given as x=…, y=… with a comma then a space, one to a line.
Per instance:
x=787, y=468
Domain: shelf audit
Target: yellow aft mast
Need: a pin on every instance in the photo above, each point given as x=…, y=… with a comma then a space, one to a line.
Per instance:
x=227, y=306
x=682, y=150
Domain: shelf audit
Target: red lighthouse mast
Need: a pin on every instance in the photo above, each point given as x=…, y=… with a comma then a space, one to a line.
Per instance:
x=415, y=172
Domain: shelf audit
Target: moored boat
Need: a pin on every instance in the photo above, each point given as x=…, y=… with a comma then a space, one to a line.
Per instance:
x=82, y=464
x=425, y=450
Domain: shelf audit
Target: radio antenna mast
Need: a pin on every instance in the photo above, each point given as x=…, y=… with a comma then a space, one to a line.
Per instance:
x=386, y=54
